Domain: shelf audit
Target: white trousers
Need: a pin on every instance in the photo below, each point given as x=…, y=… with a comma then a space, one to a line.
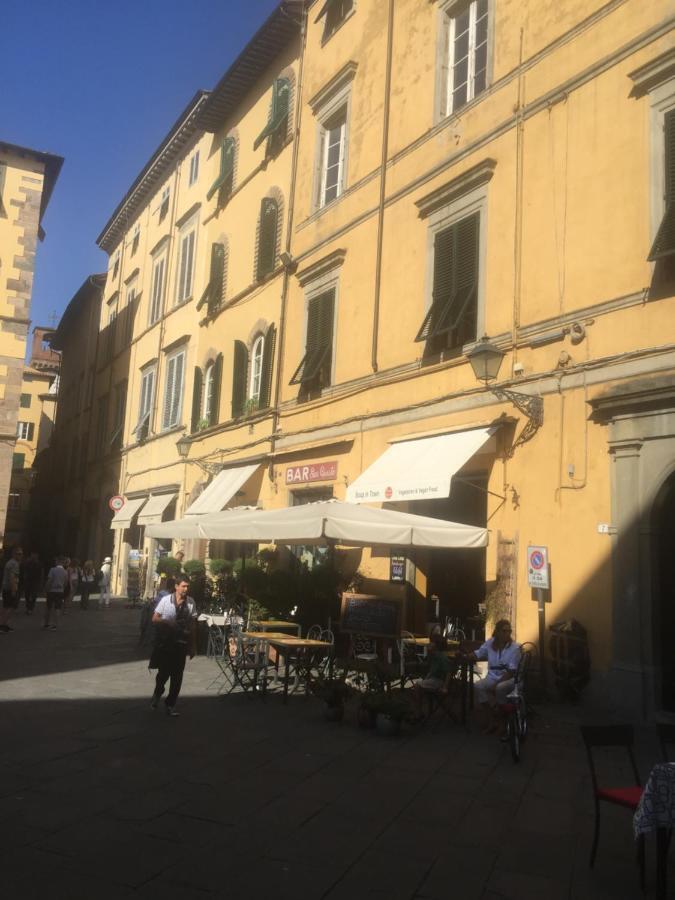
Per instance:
x=492, y=692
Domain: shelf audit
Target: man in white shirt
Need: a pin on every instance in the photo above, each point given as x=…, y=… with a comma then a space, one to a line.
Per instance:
x=104, y=581
x=55, y=587
x=176, y=618
x=10, y=589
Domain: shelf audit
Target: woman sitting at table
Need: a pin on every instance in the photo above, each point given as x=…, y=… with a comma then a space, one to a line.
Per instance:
x=503, y=656
x=437, y=678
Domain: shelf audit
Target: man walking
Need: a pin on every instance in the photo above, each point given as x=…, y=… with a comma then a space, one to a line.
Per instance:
x=10, y=589
x=55, y=588
x=104, y=581
x=176, y=620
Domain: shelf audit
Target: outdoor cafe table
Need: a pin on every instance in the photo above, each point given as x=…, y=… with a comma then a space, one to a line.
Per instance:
x=288, y=647
x=656, y=812
x=278, y=625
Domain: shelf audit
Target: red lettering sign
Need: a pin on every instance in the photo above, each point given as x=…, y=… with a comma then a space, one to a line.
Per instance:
x=323, y=471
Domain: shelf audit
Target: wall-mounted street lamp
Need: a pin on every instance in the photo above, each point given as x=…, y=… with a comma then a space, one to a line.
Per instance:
x=485, y=359
x=183, y=446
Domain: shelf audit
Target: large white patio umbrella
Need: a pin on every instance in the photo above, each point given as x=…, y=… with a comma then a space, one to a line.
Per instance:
x=189, y=526
x=344, y=523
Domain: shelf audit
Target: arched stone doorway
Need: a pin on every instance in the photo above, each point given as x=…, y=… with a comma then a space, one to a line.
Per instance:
x=663, y=596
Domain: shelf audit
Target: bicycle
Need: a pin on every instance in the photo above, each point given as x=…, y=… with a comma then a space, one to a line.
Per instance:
x=515, y=708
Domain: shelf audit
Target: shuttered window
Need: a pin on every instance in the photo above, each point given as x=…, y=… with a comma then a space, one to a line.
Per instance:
x=277, y=124
x=3, y=205
x=145, y=406
x=206, y=395
x=214, y=398
x=18, y=460
x=239, y=373
x=224, y=182
x=198, y=388
x=664, y=243
x=452, y=317
x=157, y=289
x=119, y=413
x=266, y=374
x=194, y=168
x=255, y=375
x=102, y=425
x=24, y=402
x=164, y=203
x=25, y=431
x=173, y=390
x=332, y=157
x=315, y=366
x=336, y=12
x=135, y=239
x=267, y=242
x=186, y=258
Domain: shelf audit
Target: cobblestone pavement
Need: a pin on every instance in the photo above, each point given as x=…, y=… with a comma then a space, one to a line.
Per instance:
x=100, y=797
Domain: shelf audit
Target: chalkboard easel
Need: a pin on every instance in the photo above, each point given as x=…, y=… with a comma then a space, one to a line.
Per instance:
x=370, y=615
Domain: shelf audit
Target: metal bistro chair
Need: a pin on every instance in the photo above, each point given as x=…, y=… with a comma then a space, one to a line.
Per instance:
x=628, y=796
x=244, y=664
x=411, y=658
x=314, y=633
x=215, y=640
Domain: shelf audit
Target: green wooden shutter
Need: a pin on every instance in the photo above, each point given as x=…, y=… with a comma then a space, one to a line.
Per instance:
x=239, y=373
x=664, y=242
x=169, y=388
x=281, y=93
x=225, y=179
x=217, y=376
x=196, y=399
x=267, y=243
x=316, y=363
x=31, y=431
x=217, y=276
x=3, y=210
x=266, y=374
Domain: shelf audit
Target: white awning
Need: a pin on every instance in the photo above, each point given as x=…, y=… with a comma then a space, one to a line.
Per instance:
x=420, y=469
x=154, y=509
x=124, y=516
x=221, y=490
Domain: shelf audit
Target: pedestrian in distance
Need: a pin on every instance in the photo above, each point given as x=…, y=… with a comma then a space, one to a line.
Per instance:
x=10, y=589
x=87, y=583
x=33, y=575
x=55, y=588
x=104, y=581
x=74, y=577
x=66, y=589
x=176, y=619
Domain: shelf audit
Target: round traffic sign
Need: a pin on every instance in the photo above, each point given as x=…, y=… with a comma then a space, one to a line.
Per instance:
x=116, y=503
x=537, y=560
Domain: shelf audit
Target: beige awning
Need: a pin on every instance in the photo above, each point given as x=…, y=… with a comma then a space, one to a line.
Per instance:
x=124, y=517
x=221, y=490
x=154, y=509
x=418, y=469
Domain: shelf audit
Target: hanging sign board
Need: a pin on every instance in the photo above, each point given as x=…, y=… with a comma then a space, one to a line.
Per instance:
x=322, y=471
x=537, y=567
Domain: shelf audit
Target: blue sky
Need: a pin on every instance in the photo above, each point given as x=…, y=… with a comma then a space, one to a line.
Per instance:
x=100, y=84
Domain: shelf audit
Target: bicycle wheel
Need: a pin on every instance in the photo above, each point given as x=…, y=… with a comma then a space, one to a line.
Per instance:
x=522, y=717
x=514, y=736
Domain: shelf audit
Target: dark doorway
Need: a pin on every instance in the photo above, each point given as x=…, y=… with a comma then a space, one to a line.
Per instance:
x=664, y=611
x=456, y=576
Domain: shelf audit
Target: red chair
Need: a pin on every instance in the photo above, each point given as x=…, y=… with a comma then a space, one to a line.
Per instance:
x=627, y=796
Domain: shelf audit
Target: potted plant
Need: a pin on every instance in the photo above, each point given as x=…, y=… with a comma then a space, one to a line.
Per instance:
x=389, y=713
x=367, y=711
x=334, y=692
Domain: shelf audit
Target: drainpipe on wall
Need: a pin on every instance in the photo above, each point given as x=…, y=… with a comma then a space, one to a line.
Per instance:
x=289, y=233
x=383, y=185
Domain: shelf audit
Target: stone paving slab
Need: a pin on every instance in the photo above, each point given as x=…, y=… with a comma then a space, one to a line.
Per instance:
x=103, y=797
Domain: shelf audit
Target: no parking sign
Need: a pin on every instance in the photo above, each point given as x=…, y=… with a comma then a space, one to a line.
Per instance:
x=537, y=567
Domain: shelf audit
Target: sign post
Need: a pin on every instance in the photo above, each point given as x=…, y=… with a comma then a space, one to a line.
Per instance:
x=539, y=578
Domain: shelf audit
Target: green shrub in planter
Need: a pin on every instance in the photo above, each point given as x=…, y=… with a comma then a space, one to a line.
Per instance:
x=168, y=566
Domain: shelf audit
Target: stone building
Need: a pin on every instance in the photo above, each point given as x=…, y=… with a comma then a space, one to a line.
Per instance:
x=27, y=179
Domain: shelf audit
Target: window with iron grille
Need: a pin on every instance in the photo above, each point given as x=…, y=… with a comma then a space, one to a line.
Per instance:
x=267, y=237
x=451, y=319
x=173, y=390
x=664, y=242
x=315, y=367
x=464, y=54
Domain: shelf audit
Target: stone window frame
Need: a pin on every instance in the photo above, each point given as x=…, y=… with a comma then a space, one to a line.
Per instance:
x=326, y=105
x=160, y=254
x=193, y=169
x=189, y=227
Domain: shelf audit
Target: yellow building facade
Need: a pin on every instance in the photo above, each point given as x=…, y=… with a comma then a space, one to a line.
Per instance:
x=27, y=179
x=459, y=170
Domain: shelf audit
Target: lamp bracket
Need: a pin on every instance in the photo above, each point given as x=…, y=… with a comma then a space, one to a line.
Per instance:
x=532, y=407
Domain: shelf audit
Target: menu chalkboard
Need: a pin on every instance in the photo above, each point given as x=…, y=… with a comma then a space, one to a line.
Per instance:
x=368, y=614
